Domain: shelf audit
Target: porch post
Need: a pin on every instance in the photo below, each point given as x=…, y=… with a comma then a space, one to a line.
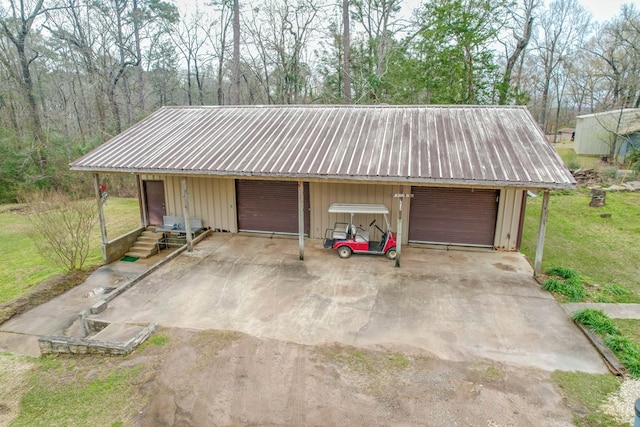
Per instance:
x=399, y=230
x=103, y=225
x=187, y=217
x=543, y=227
x=301, y=219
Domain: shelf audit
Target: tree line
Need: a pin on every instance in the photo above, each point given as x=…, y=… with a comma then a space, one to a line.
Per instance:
x=76, y=72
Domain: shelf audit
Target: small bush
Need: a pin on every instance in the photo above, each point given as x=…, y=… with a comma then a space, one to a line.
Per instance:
x=552, y=285
x=627, y=352
x=597, y=321
x=565, y=273
x=611, y=173
x=572, y=288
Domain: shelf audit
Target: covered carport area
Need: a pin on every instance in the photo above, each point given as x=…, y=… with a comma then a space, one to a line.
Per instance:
x=238, y=168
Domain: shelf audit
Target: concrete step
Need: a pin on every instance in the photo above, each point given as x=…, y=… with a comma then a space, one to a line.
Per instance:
x=144, y=245
x=137, y=254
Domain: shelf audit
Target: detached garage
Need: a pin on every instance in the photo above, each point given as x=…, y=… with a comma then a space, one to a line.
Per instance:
x=465, y=170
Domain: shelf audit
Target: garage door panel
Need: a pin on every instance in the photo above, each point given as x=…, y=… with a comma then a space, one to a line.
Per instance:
x=270, y=206
x=453, y=215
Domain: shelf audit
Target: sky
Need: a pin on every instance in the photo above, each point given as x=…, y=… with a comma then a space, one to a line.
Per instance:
x=603, y=10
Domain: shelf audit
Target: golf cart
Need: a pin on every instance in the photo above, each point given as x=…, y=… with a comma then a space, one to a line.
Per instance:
x=346, y=238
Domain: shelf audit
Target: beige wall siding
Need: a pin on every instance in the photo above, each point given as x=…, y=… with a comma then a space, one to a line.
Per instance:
x=508, y=221
x=214, y=201
x=323, y=194
x=211, y=199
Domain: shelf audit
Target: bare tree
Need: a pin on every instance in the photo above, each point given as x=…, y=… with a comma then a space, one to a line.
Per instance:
x=17, y=25
x=522, y=28
x=235, y=88
x=346, y=49
x=563, y=26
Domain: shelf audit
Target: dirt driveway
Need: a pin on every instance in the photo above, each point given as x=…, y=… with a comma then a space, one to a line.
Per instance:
x=455, y=305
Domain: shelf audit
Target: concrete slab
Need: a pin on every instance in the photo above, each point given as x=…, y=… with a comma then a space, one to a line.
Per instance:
x=60, y=315
x=615, y=311
x=118, y=333
x=20, y=344
x=458, y=305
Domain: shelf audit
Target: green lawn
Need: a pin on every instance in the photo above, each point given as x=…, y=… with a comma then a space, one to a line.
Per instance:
x=22, y=267
x=604, y=250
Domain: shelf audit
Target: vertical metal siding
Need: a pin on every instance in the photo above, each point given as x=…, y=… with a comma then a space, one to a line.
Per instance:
x=210, y=199
x=322, y=194
x=508, y=221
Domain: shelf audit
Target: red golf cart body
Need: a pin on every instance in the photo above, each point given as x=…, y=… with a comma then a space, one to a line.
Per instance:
x=346, y=238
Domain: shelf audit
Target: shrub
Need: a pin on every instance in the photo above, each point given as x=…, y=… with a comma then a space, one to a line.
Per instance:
x=627, y=351
x=597, y=321
x=565, y=273
x=61, y=227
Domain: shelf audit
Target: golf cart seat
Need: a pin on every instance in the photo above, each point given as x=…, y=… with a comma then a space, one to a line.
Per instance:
x=340, y=232
x=362, y=236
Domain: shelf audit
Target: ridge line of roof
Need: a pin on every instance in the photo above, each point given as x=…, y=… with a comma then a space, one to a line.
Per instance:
x=345, y=106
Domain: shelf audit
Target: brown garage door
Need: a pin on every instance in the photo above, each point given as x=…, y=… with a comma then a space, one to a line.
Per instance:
x=453, y=215
x=270, y=206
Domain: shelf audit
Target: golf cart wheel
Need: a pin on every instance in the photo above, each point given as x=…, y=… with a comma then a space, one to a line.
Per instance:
x=344, y=251
x=392, y=254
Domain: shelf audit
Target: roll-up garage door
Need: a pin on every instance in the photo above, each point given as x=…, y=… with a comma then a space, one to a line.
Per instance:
x=453, y=216
x=270, y=206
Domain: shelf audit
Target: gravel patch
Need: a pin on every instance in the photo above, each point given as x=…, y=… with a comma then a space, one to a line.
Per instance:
x=622, y=403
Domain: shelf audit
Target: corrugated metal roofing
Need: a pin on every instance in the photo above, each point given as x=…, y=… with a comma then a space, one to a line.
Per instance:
x=458, y=145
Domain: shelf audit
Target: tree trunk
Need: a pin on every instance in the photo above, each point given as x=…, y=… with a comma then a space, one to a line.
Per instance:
x=235, y=88
x=346, y=68
x=513, y=58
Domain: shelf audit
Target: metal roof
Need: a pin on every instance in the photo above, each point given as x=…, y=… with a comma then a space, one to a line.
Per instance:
x=439, y=145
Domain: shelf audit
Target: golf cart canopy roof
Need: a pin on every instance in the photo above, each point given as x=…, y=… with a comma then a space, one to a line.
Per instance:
x=358, y=208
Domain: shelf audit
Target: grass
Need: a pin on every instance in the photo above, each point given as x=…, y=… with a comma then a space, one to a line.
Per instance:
x=22, y=267
x=604, y=250
x=64, y=394
x=623, y=346
x=369, y=362
x=585, y=394
x=575, y=161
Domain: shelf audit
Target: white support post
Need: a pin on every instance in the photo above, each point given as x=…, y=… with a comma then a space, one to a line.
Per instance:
x=187, y=217
x=103, y=224
x=541, y=232
x=301, y=218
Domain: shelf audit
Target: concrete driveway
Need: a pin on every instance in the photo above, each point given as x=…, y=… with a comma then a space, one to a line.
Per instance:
x=458, y=305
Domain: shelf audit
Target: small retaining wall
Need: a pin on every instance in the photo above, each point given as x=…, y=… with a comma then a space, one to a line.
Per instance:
x=119, y=246
x=69, y=345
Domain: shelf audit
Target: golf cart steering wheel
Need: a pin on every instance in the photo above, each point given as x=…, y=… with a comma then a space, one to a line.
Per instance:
x=372, y=222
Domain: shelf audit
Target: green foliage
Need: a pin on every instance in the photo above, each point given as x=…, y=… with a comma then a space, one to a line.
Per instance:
x=455, y=58
x=627, y=351
x=571, y=289
x=72, y=400
x=25, y=267
x=623, y=346
x=605, y=251
x=588, y=392
x=596, y=320
x=159, y=339
x=633, y=158
x=565, y=273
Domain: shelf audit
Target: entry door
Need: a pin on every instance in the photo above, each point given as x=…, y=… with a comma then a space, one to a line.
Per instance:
x=154, y=195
